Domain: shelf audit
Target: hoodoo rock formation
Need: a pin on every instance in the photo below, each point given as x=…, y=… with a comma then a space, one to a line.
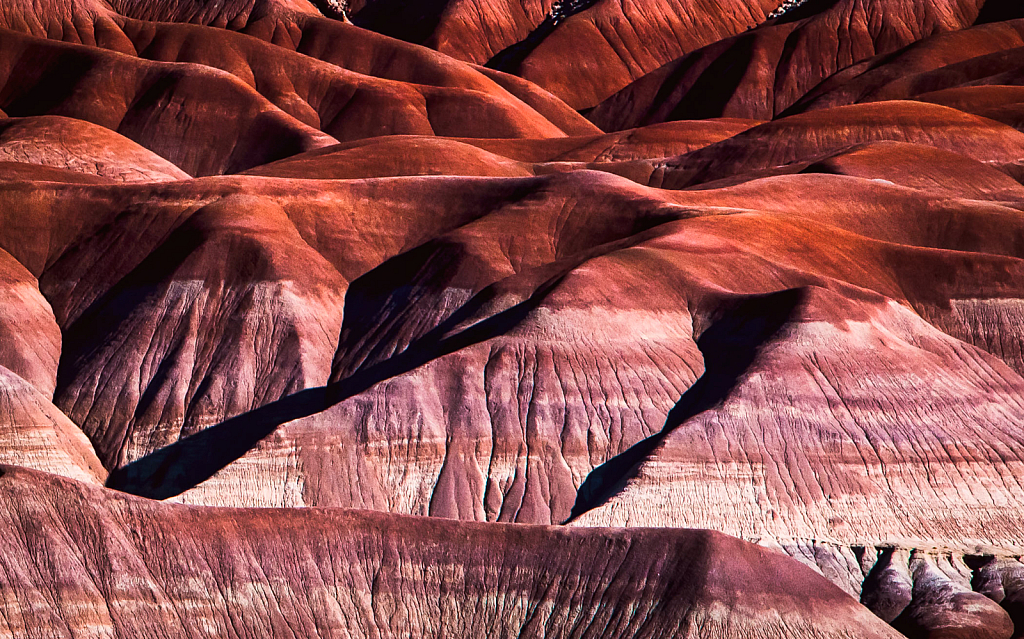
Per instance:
x=388, y=318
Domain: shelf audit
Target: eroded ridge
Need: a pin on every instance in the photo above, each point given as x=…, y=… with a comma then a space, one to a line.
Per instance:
x=280, y=268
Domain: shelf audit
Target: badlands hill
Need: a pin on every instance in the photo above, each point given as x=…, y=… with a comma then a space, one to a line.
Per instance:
x=402, y=318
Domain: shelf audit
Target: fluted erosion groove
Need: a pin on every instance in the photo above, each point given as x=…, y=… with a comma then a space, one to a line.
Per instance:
x=762, y=72
x=188, y=571
x=700, y=318
x=174, y=469
x=729, y=346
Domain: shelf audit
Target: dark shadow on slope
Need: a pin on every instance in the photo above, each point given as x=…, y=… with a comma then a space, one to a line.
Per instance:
x=1000, y=10
x=42, y=81
x=716, y=85
x=377, y=305
x=410, y=20
x=729, y=346
x=188, y=462
x=511, y=57
x=882, y=592
x=733, y=58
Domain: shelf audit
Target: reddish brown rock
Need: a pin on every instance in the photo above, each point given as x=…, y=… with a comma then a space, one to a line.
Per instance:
x=921, y=167
x=33, y=432
x=1001, y=579
x=471, y=30
x=437, y=290
x=345, y=93
x=604, y=47
x=761, y=73
x=395, y=156
x=348, y=104
x=493, y=369
x=818, y=134
x=632, y=154
x=125, y=566
x=977, y=55
x=996, y=102
x=170, y=109
x=557, y=112
x=942, y=607
x=36, y=434
x=81, y=147
x=583, y=56
x=657, y=141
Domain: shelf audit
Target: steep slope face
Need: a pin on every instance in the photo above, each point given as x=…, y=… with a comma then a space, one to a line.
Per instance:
x=761, y=73
x=36, y=434
x=599, y=50
x=170, y=110
x=254, y=257
x=658, y=141
x=187, y=572
x=913, y=165
x=817, y=134
x=76, y=145
x=229, y=310
x=231, y=13
x=996, y=102
x=972, y=56
x=433, y=315
x=345, y=103
x=207, y=283
x=465, y=29
x=29, y=333
x=71, y=19
x=555, y=110
x=564, y=351
x=165, y=293
x=171, y=107
x=185, y=304
x=345, y=93
x=580, y=51
x=395, y=156
x=852, y=485
x=33, y=432
x=289, y=24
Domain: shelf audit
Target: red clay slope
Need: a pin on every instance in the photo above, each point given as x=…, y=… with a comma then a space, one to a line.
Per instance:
x=762, y=72
x=582, y=60
x=227, y=280
x=207, y=572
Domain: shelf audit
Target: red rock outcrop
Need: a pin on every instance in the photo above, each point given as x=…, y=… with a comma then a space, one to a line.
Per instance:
x=469, y=30
x=170, y=109
x=79, y=146
x=251, y=256
x=187, y=572
x=343, y=92
x=975, y=56
x=762, y=72
x=586, y=53
x=818, y=134
x=33, y=432
x=632, y=154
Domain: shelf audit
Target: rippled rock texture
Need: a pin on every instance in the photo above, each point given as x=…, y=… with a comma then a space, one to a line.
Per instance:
x=474, y=318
